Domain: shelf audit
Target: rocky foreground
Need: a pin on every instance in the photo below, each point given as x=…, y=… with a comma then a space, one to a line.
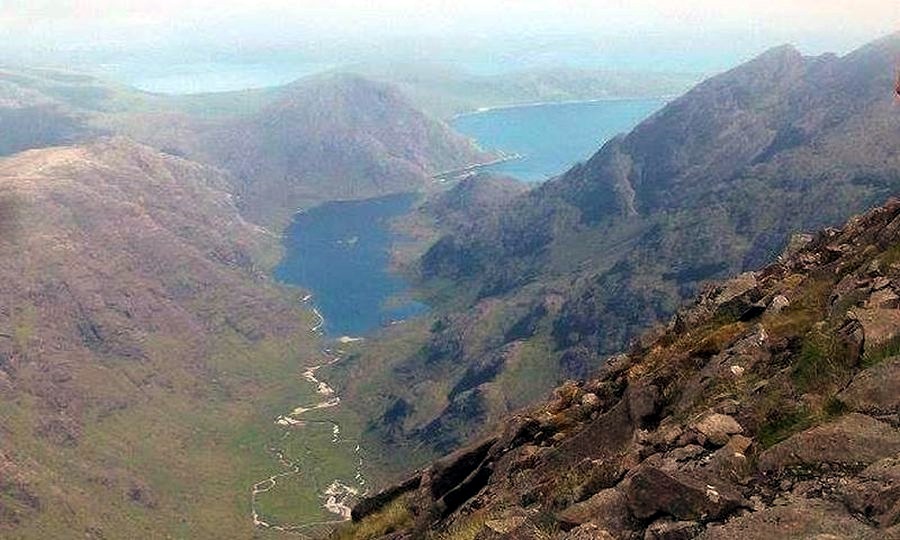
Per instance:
x=768, y=409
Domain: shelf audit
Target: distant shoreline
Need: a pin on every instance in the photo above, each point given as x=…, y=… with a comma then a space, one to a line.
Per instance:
x=470, y=170
x=482, y=110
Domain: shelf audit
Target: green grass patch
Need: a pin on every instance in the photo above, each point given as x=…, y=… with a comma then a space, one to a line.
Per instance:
x=393, y=517
x=782, y=425
x=881, y=352
x=823, y=363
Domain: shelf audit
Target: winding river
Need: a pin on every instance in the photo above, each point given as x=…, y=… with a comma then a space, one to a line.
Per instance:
x=338, y=497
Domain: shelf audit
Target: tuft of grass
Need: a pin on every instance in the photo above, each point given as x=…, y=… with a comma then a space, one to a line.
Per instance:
x=392, y=518
x=466, y=529
x=834, y=407
x=881, y=352
x=823, y=363
x=782, y=425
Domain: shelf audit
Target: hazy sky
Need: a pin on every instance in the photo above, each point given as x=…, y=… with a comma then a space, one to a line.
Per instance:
x=726, y=28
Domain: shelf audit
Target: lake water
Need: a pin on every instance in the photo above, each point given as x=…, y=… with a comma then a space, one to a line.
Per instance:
x=340, y=251
x=552, y=137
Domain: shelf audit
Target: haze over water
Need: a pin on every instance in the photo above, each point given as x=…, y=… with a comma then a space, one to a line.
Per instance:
x=553, y=137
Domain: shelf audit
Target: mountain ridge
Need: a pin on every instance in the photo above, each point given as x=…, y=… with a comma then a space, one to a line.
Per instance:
x=712, y=185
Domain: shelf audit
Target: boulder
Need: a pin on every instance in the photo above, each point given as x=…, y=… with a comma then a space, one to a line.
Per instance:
x=505, y=525
x=879, y=325
x=643, y=401
x=590, y=401
x=657, y=487
x=608, y=509
x=884, y=299
x=803, y=518
x=730, y=462
x=778, y=304
x=588, y=531
x=514, y=527
x=686, y=453
x=666, y=529
x=851, y=440
x=875, y=492
x=717, y=428
x=875, y=390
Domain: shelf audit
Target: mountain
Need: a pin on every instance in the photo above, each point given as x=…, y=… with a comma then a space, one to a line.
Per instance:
x=445, y=91
x=769, y=408
x=712, y=185
x=332, y=138
x=143, y=349
x=322, y=138
x=36, y=109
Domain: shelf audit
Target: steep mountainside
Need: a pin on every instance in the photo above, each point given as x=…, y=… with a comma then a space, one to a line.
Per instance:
x=770, y=408
x=713, y=184
x=143, y=350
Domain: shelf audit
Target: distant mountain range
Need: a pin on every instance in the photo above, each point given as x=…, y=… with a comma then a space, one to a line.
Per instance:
x=445, y=91
x=713, y=184
x=325, y=137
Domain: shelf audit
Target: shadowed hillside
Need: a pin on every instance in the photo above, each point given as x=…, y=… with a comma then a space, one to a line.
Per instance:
x=713, y=184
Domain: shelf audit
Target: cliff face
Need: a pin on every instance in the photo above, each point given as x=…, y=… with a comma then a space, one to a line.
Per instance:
x=712, y=185
x=769, y=408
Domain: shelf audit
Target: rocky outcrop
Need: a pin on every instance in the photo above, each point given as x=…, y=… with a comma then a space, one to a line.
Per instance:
x=854, y=439
x=778, y=422
x=803, y=518
x=875, y=390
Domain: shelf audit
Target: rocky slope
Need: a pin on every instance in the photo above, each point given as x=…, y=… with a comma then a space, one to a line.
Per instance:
x=710, y=186
x=769, y=408
x=143, y=350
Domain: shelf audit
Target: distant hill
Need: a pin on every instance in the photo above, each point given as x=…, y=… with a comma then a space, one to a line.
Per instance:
x=143, y=350
x=445, y=91
x=713, y=184
x=39, y=109
x=322, y=138
x=332, y=138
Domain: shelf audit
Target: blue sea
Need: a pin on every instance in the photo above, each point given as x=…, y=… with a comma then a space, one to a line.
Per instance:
x=340, y=251
x=552, y=137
